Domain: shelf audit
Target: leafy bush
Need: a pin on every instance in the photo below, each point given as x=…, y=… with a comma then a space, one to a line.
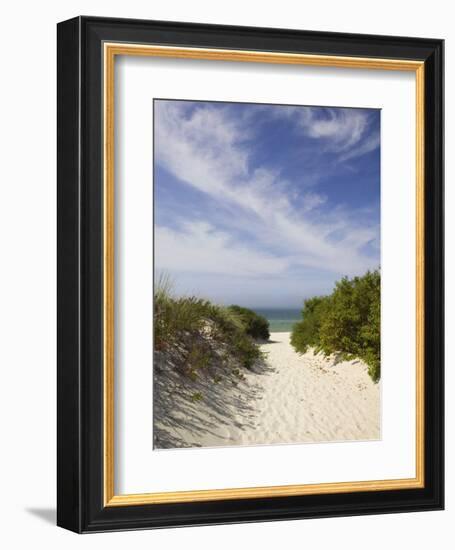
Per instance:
x=255, y=325
x=306, y=333
x=346, y=322
x=246, y=351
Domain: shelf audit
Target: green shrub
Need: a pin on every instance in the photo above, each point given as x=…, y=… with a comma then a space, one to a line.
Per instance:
x=247, y=351
x=306, y=333
x=346, y=322
x=197, y=358
x=254, y=325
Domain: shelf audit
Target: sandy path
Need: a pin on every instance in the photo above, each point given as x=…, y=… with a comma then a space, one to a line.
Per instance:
x=299, y=398
x=309, y=398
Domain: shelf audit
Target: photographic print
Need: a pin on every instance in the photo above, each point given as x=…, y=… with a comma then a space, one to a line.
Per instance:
x=250, y=274
x=267, y=274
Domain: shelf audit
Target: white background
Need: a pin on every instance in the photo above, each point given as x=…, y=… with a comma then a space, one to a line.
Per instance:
x=139, y=469
x=27, y=301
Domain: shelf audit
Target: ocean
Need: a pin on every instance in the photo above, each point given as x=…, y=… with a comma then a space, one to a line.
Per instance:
x=280, y=320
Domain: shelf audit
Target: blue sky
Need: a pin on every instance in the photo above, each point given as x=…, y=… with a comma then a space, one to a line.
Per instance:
x=264, y=205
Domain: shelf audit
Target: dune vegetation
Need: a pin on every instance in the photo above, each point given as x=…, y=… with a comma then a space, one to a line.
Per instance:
x=346, y=322
x=220, y=380
x=254, y=325
x=202, y=355
x=205, y=332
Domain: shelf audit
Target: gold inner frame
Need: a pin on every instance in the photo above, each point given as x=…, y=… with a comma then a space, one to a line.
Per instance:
x=110, y=51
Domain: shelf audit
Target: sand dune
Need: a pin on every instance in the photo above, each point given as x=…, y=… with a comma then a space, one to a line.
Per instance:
x=295, y=399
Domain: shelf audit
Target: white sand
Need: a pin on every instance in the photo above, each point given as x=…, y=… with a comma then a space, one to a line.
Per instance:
x=300, y=398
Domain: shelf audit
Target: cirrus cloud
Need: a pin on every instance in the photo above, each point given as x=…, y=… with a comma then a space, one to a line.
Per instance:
x=259, y=223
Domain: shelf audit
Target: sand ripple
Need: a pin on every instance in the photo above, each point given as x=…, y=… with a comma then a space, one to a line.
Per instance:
x=297, y=399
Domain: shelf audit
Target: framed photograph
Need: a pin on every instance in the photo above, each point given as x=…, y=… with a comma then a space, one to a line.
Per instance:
x=250, y=274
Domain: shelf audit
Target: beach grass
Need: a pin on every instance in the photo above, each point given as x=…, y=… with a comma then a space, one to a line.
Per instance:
x=204, y=328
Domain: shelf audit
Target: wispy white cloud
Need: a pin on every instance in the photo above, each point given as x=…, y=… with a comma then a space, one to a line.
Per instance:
x=340, y=128
x=370, y=143
x=312, y=200
x=200, y=247
x=346, y=131
x=211, y=151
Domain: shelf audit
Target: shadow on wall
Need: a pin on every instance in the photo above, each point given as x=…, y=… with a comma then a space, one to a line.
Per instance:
x=49, y=515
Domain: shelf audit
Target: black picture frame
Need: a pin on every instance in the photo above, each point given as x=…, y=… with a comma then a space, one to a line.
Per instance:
x=80, y=476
